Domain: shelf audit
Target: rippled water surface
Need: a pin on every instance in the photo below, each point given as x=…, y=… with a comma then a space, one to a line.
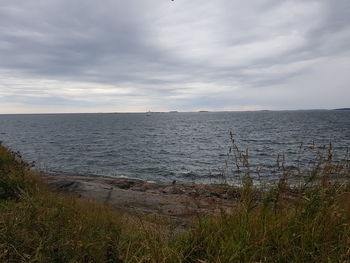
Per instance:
x=167, y=146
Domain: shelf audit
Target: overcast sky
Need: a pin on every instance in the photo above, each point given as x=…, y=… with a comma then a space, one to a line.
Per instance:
x=158, y=55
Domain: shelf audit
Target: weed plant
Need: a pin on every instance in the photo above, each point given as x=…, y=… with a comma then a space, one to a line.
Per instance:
x=303, y=217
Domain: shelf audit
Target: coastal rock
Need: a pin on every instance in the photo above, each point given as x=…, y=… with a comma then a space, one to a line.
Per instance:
x=177, y=201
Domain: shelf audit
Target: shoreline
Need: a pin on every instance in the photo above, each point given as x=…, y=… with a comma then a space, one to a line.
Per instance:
x=99, y=219
x=178, y=202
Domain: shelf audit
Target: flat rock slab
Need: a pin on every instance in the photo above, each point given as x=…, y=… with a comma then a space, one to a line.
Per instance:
x=177, y=201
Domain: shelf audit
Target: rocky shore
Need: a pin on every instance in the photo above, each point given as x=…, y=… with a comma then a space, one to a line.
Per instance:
x=176, y=201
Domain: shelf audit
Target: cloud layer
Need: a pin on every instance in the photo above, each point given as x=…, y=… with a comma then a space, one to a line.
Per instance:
x=86, y=56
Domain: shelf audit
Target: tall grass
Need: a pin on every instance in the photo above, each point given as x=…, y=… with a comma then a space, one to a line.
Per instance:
x=308, y=221
x=303, y=217
x=37, y=225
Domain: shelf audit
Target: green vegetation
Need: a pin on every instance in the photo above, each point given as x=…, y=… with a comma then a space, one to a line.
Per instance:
x=309, y=222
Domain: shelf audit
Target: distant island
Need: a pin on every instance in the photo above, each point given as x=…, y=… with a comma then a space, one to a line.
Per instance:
x=343, y=109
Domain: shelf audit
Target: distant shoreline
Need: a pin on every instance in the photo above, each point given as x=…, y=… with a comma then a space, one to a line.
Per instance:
x=194, y=111
x=343, y=109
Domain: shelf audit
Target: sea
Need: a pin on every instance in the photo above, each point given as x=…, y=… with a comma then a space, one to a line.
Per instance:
x=184, y=147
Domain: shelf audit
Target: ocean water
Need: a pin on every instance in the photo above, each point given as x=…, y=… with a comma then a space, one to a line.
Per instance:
x=162, y=147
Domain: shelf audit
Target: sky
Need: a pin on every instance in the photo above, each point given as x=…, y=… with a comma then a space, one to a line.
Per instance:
x=138, y=55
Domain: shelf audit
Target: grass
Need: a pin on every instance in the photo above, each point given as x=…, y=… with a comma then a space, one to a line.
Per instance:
x=314, y=228
x=304, y=222
x=37, y=225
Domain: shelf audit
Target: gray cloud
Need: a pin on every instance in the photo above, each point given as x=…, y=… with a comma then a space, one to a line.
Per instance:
x=184, y=54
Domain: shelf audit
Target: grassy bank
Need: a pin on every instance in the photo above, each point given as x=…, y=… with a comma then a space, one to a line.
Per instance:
x=307, y=223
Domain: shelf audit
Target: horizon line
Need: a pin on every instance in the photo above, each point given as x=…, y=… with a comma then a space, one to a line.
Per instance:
x=173, y=111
